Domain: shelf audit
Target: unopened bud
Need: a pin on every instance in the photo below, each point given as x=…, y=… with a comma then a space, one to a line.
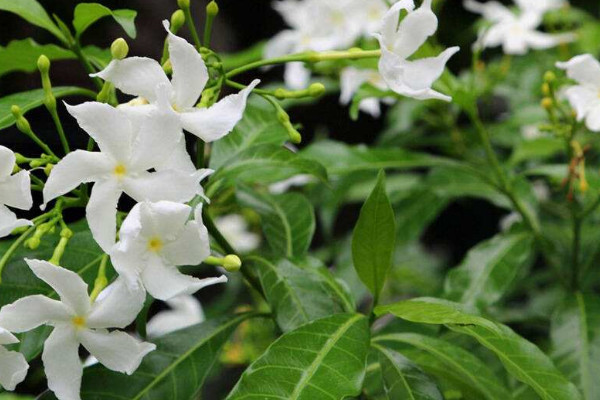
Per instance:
x=177, y=21
x=168, y=67
x=212, y=9
x=22, y=123
x=183, y=4
x=66, y=233
x=232, y=263
x=33, y=243
x=43, y=64
x=583, y=186
x=547, y=103
x=546, y=89
x=119, y=49
x=48, y=169
x=549, y=76
x=316, y=89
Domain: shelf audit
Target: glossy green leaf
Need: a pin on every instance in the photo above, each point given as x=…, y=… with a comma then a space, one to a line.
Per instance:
x=33, y=99
x=405, y=380
x=257, y=127
x=175, y=370
x=415, y=212
x=288, y=220
x=324, y=359
x=32, y=12
x=489, y=269
x=521, y=358
x=86, y=14
x=22, y=55
x=299, y=292
x=446, y=360
x=374, y=238
x=575, y=334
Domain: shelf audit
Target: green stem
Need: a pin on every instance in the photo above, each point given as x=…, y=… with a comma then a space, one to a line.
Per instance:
x=310, y=57
x=575, y=252
x=76, y=48
x=6, y=257
x=200, y=145
x=60, y=130
x=192, y=27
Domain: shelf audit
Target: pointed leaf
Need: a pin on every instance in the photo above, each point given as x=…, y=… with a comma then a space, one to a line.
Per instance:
x=22, y=55
x=86, y=14
x=32, y=12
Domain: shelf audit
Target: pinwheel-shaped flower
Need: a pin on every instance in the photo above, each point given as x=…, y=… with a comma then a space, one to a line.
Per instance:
x=516, y=33
x=585, y=96
x=77, y=321
x=140, y=76
x=129, y=149
x=13, y=367
x=399, y=41
x=14, y=192
x=155, y=238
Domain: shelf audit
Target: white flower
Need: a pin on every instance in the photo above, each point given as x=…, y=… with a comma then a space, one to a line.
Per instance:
x=286, y=184
x=185, y=311
x=77, y=321
x=400, y=41
x=541, y=6
x=351, y=79
x=14, y=192
x=516, y=33
x=129, y=148
x=13, y=367
x=154, y=239
x=140, y=76
x=235, y=229
x=585, y=96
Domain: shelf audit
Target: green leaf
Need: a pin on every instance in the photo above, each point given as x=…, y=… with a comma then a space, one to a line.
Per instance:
x=373, y=239
x=489, y=269
x=86, y=14
x=536, y=149
x=405, y=380
x=446, y=360
x=175, y=370
x=288, y=220
x=415, y=212
x=521, y=358
x=33, y=99
x=257, y=127
x=575, y=334
x=32, y=12
x=324, y=359
x=22, y=55
x=299, y=292
x=266, y=164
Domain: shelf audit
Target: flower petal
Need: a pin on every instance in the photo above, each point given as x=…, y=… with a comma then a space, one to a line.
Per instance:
x=185, y=311
x=137, y=76
x=101, y=212
x=75, y=168
x=165, y=282
x=164, y=219
x=282, y=43
x=13, y=369
x=171, y=185
x=210, y=124
x=9, y=222
x=584, y=69
x=180, y=159
x=413, y=30
x=29, y=312
x=491, y=10
x=351, y=79
x=7, y=338
x=62, y=365
x=582, y=99
x=190, y=248
x=110, y=127
x=15, y=191
x=7, y=161
x=189, y=71
x=116, y=350
x=296, y=76
x=541, y=40
x=118, y=308
x=421, y=74
x=73, y=291
x=592, y=121
x=128, y=257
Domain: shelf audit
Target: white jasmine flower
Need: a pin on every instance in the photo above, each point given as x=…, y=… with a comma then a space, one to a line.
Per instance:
x=128, y=149
x=14, y=192
x=140, y=76
x=400, y=41
x=77, y=321
x=13, y=367
x=516, y=33
x=185, y=311
x=155, y=238
x=235, y=229
x=585, y=96
x=351, y=79
x=541, y=6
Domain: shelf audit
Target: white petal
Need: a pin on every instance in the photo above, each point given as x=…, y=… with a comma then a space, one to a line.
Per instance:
x=62, y=365
x=351, y=79
x=110, y=127
x=165, y=282
x=75, y=168
x=582, y=99
x=129, y=258
x=414, y=30
x=180, y=159
x=163, y=219
x=15, y=191
x=185, y=311
x=296, y=76
x=541, y=40
x=118, y=308
x=189, y=71
x=281, y=44
x=491, y=10
x=73, y=291
x=7, y=161
x=137, y=76
x=210, y=124
x=101, y=212
x=584, y=69
x=190, y=248
x=116, y=350
x=9, y=222
x=370, y=106
x=421, y=74
x=7, y=338
x=13, y=369
x=592, y=120
x=390, y=22
x=168, y=185
x=30, y=312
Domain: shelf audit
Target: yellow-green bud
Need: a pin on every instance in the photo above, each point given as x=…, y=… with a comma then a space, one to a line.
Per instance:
x=20, y=159
x=212, y=9
x=546, y=89
x=183, y=4
x=549, y=76
x=43, y=64
x=48, y=169
x=22, y=123
x=33, y=243
x=177, y=20
x=232, y=263
x=316, y=89
x=168, y=67
x=119, y=49
x=295, y=136
x=547, y=103
x=66, y=233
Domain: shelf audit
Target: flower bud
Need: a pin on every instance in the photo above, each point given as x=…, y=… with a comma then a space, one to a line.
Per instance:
x=119, y=49
x=33, y=243
x=66, y=233
x=316, y=89
x=546, y=89
x=183, y=4
x=43, y=64
x=212, y=9
x=232, y=263
x=177, y=20
x=22, y=123
x=168, y=67
x=48, y=169
x=547, y=103
x=549, y=77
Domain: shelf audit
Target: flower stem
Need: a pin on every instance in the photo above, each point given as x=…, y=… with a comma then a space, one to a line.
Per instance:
x=192, y=27
x=6, y=257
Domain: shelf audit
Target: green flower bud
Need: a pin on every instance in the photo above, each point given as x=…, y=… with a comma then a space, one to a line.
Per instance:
x=48, y=169
x=43, y=64
x=316, y=89
x=212, y=9
x=119, y=49
x=66, y=233
x=183, y=4
x=547, y=103
x=177, y=20
x=22, y=123
x=549, y=76
x=168, y=67
x=546, y=89
x=33, y=243
x=232, y=263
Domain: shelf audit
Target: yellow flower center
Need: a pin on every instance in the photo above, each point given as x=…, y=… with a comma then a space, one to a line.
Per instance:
x=120, y=170
x=79, y=322
x=155, y=245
